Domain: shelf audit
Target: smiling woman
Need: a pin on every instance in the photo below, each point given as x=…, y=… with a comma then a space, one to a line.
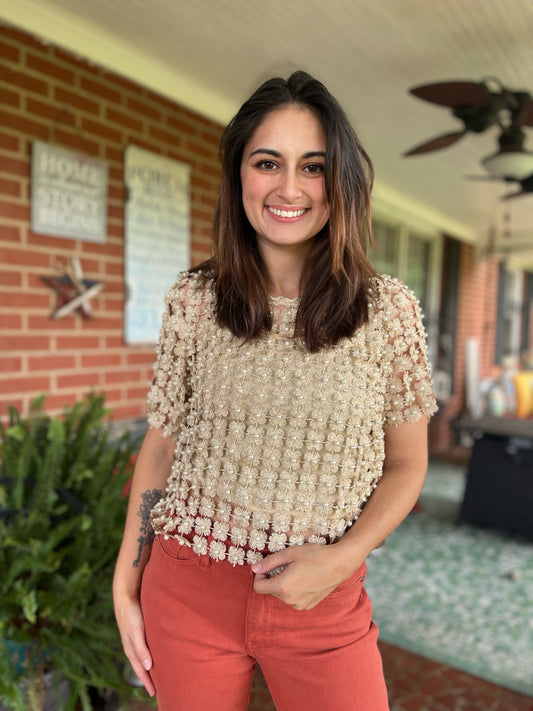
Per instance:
x=288, y=416
x=283, y=191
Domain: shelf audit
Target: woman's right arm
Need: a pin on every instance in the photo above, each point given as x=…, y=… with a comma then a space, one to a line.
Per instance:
x=149, y=481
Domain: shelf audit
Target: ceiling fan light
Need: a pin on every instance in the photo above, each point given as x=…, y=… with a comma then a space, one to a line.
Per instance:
x=514, y=165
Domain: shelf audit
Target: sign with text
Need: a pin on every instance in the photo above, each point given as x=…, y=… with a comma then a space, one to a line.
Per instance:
x=68, y=193
x=157, y=238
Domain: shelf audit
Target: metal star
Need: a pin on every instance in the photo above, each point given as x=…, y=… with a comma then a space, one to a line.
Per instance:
x=73, y=292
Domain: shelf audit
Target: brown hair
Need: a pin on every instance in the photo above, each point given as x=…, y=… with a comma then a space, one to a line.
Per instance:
x=337, y=274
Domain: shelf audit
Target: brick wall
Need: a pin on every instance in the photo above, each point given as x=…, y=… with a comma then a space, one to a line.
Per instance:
x=476, y=318
x=68, y=357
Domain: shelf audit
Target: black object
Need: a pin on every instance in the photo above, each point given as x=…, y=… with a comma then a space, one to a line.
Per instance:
x=499, y=487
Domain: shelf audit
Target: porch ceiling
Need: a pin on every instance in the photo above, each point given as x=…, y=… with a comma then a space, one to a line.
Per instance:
x=210, y=54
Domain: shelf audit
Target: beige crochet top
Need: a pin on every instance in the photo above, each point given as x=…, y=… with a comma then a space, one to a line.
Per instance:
x=276, y=446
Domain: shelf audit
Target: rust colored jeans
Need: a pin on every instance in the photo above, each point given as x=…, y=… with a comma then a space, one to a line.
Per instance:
x=206, y=629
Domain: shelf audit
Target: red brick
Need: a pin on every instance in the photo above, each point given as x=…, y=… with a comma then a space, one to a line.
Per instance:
x=5, y=405
x=79, y=343
x=146, y=358
x=180, y=124
x=103, y=323
x=128, y=411
x=100, y=89
x=77, y=380
x=56, y=403
x=108, y=250
x=99, y=129
x=56, y=112
x=23, y=38
x=100, y=360
x=122, y=82
x=15, y=166
x=29, y=342
x=10, y=278
x=114, y=305
x=73, y=60
x=22, y=300
x=10, y=233
x=115, y=211
x=114, y=154
x=24, y=81
x=24, y=257
x=24, y=125
x=52, y=69
x=8, y=143
x=122, y=376
x=10, y=321
x=51, y=362
x=10, y=364
x=123, y=119
x=200, y=149
x=78, y=100
x=117, y=192
x=9, y=187
x=116, y=231
x=21, y=384
x=143, y=108
x=76, y=141
x=7, y=51
x=10, y=98
x=48, y=323
x=137, y=393
x=167, y=138
x=114, y=269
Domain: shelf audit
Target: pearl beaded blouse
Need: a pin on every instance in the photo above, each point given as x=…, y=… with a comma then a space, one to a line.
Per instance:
x=276, y=446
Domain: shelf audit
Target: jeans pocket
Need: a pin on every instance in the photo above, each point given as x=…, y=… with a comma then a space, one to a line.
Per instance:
x=355, y=580
x=176, y=551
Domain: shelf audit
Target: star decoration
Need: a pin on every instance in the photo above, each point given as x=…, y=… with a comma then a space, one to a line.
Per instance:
x=73, y=292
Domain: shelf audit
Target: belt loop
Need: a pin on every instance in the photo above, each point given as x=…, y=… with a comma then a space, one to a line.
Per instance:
x=205, y=561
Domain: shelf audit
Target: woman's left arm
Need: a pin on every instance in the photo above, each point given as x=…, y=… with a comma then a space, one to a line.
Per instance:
x=313, y=571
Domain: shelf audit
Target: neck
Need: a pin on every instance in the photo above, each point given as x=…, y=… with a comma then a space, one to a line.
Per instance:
x=284, y=271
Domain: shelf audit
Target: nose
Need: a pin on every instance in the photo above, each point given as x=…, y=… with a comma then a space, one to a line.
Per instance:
x=289, y=186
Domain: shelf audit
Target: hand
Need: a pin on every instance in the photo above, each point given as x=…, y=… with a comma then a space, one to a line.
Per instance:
x=131, y=626
x=311, y=573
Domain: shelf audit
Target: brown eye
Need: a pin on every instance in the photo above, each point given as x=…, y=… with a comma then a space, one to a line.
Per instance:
x=267, y=165
x=314, y=168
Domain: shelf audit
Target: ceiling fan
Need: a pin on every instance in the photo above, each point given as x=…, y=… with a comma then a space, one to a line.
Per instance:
x=479, y=106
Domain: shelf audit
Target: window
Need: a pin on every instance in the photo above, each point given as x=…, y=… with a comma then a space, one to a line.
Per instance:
x=511, y=323
x=412, y=257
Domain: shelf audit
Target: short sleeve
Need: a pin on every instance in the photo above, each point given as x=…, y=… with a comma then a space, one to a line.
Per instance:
x=409, y=390
x=169, y=390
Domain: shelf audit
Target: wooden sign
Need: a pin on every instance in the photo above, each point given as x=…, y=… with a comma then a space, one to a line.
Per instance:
x=157, y=237
x=68, y=193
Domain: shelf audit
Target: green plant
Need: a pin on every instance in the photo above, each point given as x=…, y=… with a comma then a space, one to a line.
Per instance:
x=62, y=511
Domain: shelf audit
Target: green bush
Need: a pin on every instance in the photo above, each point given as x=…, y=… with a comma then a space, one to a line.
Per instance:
x=62, y=512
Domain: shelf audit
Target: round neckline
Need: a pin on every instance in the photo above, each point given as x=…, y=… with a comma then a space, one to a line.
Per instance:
x=289, y=299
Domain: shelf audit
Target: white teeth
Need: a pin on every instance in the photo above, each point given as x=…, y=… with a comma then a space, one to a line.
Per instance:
x=286, y=213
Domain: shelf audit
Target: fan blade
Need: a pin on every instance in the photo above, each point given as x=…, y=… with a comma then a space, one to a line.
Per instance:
x=436, y=144
x=484, y=178
x=519, y=193
x=453, y=93
x=527, y=116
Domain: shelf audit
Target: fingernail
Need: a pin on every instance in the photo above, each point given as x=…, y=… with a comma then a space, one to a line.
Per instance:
x=147, y=664
x=257, y=567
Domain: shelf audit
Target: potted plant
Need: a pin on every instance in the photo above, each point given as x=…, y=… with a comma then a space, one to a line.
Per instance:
x=62, y=510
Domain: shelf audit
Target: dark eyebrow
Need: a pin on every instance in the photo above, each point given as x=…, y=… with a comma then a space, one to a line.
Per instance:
x=277, y=154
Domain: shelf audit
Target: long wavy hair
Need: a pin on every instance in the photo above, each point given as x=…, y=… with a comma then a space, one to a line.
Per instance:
x=337, y=274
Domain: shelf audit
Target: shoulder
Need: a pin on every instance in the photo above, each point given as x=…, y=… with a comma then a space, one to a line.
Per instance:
x=192, y=289
x=388, y=293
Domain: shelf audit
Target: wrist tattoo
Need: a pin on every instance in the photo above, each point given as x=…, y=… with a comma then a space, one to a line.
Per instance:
x=149, y=500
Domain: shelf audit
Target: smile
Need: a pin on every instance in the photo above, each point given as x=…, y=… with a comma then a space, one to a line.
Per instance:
x=287, y=213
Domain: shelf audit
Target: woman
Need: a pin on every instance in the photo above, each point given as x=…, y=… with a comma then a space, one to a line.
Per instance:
x=288, y=426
